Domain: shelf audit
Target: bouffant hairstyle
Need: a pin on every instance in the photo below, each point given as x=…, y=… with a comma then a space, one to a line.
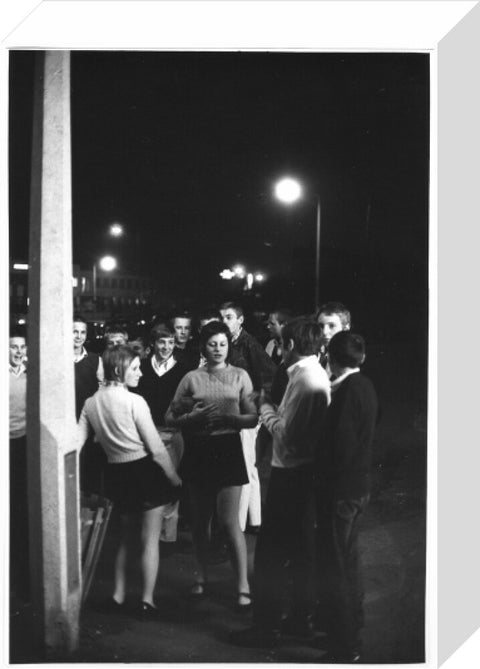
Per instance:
x=116, y=361
x=305, y=333
x=211, y=329
x=347, y=349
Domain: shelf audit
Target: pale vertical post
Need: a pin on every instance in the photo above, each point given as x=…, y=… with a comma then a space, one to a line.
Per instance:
x=52, y=460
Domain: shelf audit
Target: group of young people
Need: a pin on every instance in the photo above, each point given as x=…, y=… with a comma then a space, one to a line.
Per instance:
x=178, y=411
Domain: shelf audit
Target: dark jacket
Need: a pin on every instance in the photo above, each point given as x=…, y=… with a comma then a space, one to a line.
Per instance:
x=248, y=354
x=346, y=448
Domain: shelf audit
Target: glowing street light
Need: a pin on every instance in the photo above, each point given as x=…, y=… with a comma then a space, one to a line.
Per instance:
x=116, y=230
x=259, y=277
x=239, y=271
x=289, y=191
x=107, y=264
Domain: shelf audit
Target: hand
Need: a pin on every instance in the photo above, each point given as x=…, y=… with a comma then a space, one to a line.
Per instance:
x=176, y=481
x=218, y=420
x=201, y=413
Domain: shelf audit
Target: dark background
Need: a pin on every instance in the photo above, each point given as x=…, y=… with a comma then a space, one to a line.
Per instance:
x=184, y=149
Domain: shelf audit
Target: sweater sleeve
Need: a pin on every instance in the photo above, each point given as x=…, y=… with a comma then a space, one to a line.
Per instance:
x=150, y=437
x=83, y=429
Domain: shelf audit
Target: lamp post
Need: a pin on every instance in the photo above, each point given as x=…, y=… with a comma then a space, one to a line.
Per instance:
x=107, y=264
x=289, y=191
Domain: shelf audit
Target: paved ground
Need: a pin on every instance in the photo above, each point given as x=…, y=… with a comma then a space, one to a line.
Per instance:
x=393, y=543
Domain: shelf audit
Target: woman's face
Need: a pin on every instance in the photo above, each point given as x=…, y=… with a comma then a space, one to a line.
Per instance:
x=133, y=373
x=216, y=349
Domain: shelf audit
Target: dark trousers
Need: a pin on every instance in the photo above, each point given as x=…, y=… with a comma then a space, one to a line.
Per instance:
x=285, y=550
x=340, y=589
x=19, y=543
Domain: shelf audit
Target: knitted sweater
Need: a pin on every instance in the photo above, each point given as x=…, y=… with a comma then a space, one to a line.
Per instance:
x=228, y=388
x=123, y=425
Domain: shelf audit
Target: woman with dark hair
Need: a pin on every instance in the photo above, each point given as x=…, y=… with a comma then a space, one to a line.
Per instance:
x=140, y=478
x=211, y=405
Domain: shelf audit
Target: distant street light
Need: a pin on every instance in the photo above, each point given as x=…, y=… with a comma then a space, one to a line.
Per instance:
x=116, y=229
x=289, y=191
x=239, y=272
x=107, y=264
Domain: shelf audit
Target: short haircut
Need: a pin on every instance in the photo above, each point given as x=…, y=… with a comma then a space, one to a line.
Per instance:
x=161, y=331
x=79, y=319
x=347, y=349
x=180, y=314
x=305, y=333
x=209, y=315
x=116, y=361
x=211, y=329
x=116, y=328
x=232, y=305
x=337, y=308
x=18, y=331
x=283, y=315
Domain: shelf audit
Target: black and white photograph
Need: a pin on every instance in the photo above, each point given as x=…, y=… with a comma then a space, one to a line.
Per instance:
x=247, y=236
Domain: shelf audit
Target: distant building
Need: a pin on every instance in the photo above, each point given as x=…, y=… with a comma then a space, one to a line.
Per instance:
x=116, y=295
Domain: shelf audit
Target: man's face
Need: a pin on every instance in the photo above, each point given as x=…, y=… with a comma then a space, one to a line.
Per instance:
x=79, y=334
x=330, y=324
x=273, y=326
x=183, y=329
x=231, y=320
x=140, y=349
x=287, y=352
x=163, y=348
x=17, y=351
x=113, y=339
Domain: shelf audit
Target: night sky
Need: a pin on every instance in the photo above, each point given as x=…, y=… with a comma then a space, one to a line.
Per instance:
x=184, y=149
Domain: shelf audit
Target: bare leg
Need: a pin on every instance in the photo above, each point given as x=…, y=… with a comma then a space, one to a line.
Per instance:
x=202, y=511
x=120, y=573
x=150, y=556
x=227, y=509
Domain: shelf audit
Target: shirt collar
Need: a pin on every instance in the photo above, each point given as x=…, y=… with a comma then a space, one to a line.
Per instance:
x=161, y=368
x=235, y=337
x=336, y=383
x=81, y=356
x=303, y=362
x=17, y=371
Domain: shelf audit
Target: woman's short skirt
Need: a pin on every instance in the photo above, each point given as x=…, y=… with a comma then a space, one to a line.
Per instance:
x=214, y=461
x=138, y=486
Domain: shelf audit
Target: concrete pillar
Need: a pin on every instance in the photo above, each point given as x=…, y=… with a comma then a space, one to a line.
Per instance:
x=52, y=462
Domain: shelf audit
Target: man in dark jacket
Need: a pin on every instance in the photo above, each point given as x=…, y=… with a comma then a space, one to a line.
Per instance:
x=342, y=495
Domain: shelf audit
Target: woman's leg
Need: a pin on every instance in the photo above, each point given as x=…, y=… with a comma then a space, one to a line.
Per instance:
x=228, y=500
x=201, y=501
x=150, y=556
x=128, y=523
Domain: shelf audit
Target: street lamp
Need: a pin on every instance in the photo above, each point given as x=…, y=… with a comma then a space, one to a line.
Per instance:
x=116, y=229
x=107, y=264
x=289, y=191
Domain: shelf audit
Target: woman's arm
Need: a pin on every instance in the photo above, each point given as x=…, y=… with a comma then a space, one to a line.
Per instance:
x=83, y=430
x=153, y=442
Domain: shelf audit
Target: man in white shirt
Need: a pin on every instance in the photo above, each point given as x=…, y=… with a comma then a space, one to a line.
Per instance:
x=288, y=529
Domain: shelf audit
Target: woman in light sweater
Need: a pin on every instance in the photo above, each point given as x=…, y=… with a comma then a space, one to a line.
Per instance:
x=211, y=405
x=140, y=477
